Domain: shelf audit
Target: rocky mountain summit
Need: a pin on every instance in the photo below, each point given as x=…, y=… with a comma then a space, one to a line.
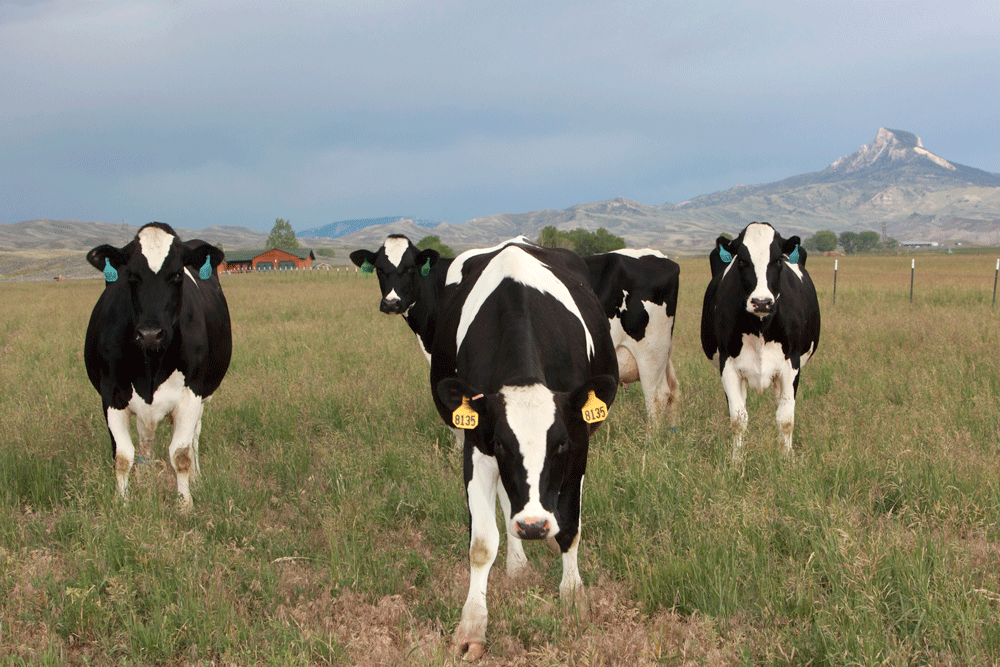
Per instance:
x=893, y=182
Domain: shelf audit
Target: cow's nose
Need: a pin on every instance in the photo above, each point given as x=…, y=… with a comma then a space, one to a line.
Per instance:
x=390, y=306
x=763, y=305
x=149, y=338
x=532, y=529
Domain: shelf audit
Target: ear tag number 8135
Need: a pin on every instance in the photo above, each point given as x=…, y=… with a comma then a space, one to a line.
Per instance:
x=594, y=410
x=464, y=416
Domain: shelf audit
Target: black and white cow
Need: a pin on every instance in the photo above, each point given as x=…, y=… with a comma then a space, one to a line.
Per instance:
x=411, y=281
x=523, y=360
x=638, y=292
x=158, y=344
x=760, y=322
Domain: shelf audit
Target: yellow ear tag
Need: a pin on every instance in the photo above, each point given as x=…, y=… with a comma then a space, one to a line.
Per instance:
x=464, y=416
x=594, y=410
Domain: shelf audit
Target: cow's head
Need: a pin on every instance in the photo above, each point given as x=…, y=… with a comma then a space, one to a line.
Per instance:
x=757, y=256
x=399, y=265
x=150, y=272
x=538, y=438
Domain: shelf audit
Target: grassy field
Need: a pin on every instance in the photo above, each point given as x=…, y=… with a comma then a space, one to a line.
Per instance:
x=330, y=528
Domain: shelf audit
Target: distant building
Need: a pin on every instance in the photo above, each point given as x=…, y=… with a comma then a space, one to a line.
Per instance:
x=274, y=259
x=918, y=244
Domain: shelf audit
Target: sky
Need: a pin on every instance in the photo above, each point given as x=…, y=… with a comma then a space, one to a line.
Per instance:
x=209, y=112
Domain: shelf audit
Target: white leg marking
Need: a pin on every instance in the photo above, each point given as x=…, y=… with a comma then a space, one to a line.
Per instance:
x=118, y=424
x=784, y=399
x=736, y=395
x=516, y=560
x=483, y=544
x=147, y=434
x=183, y=444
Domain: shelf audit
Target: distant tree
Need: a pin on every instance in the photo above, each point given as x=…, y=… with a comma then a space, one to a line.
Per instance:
x=581, y=241
x=890, y=244
x=433, y=242
x=325, y=252
x=550, y=237
x=849, y=241
x=282, y=236
x=825, y=240
x=868, y=241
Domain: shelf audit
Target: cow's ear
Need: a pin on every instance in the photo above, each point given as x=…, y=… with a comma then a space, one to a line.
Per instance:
x=589, y=407
x=721, y=255
x=451, y=391
x=427, y=259
x=793, y=250
x=204, y=258
x=108, y=259
x=359, y=257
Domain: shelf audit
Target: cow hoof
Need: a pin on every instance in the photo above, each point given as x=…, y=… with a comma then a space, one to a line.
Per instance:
x=471, y=651
x=185, y=504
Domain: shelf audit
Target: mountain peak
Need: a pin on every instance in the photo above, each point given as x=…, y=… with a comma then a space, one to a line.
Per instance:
x=890, y=148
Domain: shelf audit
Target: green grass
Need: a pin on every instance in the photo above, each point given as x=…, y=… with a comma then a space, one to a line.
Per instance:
x=330, y=528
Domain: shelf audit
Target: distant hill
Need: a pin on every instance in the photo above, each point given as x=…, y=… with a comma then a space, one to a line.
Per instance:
x=335, y=230
x=80, y=235
x=894, y=180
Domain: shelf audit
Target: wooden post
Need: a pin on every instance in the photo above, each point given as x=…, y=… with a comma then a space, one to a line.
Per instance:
x=995, y=276
x=913, y=264
x=835, y=281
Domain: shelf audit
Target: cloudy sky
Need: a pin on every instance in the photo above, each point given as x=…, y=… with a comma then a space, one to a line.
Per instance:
x=202, y=112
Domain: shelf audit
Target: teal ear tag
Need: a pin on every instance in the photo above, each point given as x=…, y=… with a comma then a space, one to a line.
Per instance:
x=426, y=268
x=725, y=255
x=367, y=267
x=110, y=275
x=205, y=272
x=793, y=256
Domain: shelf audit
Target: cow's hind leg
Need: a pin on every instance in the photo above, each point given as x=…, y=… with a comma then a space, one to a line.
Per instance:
x=147, y=434
x=516, y=560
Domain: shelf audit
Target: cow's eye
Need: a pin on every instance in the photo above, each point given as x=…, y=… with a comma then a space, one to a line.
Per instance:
x=563, y=446
x=177, y=278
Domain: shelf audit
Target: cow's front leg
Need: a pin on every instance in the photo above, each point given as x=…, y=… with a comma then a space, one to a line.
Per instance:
x=784, y=401
x=121, y=438
x=571, y=590
x=183, y=444
x=484, y=540
x=736, y=396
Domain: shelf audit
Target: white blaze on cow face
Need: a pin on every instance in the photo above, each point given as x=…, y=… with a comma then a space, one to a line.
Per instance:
x=757, y=239
x=530, y=412
x=394, y=249
x=514, y=263
x=155, y=244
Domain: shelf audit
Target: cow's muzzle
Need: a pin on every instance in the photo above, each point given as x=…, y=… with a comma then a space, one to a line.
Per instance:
x=391, y=306
x=763, y=306
x=532, y=529
x=150, y=339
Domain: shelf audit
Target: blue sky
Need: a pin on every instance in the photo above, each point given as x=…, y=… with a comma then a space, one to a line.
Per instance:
x=229, y=112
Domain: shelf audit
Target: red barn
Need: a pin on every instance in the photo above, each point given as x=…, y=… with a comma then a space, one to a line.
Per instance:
x=268, y=260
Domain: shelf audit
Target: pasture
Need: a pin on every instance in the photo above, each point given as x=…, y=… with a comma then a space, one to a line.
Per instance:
x=329, y=525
